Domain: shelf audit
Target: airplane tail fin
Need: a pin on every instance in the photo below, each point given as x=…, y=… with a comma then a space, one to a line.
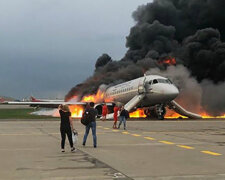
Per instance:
x=33, y=99
x=2, y=100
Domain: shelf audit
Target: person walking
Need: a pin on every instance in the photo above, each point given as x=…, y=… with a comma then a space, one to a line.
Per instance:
x=66, y=127
x=124, y=114
x=104, y=111
x=92, y=124
x=115, y=116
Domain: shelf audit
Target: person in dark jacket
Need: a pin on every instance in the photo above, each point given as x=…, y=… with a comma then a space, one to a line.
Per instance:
x=92, y=124
x=124, y=114
x=65, y=127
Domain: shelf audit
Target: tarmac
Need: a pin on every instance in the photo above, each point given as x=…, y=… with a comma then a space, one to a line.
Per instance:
x=147, y=150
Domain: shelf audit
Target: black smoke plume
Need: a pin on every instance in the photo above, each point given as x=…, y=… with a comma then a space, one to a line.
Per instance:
x=191, y=31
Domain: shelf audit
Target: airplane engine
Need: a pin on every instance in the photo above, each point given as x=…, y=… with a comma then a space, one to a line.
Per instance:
x=156, y=112
x=98, y=107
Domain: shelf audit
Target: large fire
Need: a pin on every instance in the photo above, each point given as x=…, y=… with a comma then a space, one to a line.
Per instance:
x=139, y=113
x=99, y=97
x=205, y=115
x=77, y=110
x=173, y=115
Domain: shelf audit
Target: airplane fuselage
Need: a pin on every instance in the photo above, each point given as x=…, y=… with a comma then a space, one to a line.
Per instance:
x=157, y=90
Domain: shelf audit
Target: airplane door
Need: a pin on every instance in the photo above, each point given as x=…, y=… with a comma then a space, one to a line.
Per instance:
x=141, y=85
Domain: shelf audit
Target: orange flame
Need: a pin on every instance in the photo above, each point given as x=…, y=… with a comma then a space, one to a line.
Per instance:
x=205, y=115
x=139, y=113
x=99, y=97
x=169, y=61
x=76, y=111
x=171, y=114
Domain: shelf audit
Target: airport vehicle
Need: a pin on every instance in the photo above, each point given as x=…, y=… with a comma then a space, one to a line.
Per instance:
x=151, y=92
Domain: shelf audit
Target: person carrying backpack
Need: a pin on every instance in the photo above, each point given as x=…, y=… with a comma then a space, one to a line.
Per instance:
x=90, y=113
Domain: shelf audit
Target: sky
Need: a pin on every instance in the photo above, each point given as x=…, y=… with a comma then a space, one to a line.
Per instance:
x=49, y=46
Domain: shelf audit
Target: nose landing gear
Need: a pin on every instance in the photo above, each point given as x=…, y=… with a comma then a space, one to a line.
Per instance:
x=156, y=112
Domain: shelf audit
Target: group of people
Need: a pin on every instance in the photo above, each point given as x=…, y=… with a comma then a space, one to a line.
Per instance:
x=66, y=125
x=123, y=115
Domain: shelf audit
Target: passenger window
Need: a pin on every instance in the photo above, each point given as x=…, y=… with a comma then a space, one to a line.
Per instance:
x=155, y=81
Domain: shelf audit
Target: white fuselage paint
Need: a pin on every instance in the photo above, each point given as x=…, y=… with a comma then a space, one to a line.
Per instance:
x=155, y=93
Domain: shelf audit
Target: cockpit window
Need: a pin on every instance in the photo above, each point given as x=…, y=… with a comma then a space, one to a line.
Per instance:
x=161, y=80
x=170, y=81
x=155, y=81
x=165, y=81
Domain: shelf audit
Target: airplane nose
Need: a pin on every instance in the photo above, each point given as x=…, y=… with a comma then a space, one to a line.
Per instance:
x=173, y=92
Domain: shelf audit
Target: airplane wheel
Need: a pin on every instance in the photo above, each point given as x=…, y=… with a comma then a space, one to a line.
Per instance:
x=160, y=111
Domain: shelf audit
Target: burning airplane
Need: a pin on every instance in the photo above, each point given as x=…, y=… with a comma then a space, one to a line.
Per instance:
x=179, y=39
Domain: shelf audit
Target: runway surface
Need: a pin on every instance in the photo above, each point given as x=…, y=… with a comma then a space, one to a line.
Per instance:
x=160, y=150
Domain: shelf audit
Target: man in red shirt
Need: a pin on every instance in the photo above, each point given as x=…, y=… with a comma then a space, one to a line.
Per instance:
x=104, y=111
x=115, y=116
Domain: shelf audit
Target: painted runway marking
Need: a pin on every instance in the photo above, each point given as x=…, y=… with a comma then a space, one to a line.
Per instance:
x=125, y=132
x=150, y=138
x=99, y=126
x=211, y=153
x=185, y=147
x=166, y=142
x=136, y=135
x=115, y=130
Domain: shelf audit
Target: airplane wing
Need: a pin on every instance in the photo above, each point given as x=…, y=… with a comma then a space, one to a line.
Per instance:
x=45, y=104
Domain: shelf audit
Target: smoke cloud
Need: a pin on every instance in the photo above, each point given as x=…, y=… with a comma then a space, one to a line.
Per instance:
x=192, y=32
x=190, y=90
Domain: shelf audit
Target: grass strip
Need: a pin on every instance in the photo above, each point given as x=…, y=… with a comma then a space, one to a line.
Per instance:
x=20, y=114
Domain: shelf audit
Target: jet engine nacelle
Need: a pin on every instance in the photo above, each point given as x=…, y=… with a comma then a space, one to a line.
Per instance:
x=99, y=106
